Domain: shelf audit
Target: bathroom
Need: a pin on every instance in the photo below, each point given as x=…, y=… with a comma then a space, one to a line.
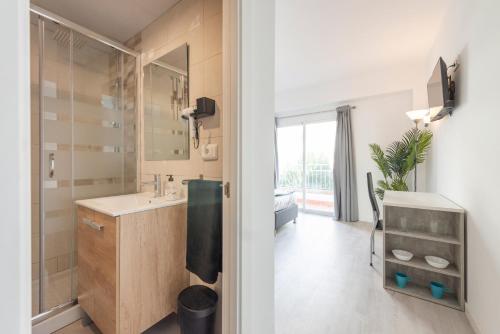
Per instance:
x=124, y=102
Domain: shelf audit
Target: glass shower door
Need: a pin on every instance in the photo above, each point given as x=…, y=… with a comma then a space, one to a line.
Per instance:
x=104, y=124
x=84, y=146
x=56, y=143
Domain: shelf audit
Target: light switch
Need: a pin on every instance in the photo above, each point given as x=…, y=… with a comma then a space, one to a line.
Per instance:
x=209, y=152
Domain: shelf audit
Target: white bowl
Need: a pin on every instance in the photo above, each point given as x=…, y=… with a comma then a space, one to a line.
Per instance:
x=437, y=262
x=402, y=254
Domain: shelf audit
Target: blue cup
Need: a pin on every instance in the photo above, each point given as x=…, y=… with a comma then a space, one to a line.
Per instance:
x=438, y=289
x=402, y=280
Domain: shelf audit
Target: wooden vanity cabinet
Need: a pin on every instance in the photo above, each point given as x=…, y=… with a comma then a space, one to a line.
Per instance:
x=98, y=267
x=131, y=268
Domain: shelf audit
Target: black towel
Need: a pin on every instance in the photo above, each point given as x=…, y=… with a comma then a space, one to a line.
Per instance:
x=204, y=229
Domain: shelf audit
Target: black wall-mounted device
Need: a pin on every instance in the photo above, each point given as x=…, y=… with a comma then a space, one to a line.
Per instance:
x=204, y=107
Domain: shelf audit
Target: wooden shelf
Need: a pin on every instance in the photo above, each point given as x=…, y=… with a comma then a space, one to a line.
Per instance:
x=424, y=236
x=420, y=263
x=424, y=293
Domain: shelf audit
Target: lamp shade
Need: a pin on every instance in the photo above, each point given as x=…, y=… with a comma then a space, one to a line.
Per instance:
x=417, y=115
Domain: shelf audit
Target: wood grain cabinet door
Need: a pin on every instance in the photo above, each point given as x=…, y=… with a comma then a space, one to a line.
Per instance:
x=97, y=273
x=85, y=261
x=152, y=266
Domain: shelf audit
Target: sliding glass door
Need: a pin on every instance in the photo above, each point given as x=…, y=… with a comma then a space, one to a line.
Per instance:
x=319, y=148
x=291, y=160
x=305, y=155
x=83, y=146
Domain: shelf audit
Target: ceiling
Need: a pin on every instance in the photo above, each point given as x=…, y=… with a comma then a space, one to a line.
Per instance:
x=116, y=19
x=324, y=40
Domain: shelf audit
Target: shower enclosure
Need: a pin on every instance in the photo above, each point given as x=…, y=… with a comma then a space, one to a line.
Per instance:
x=84, y=138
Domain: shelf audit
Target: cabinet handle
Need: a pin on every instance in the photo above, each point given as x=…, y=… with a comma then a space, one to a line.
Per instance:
x=92, y=224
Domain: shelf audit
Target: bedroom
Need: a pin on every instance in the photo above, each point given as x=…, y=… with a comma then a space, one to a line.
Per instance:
x=327, y=66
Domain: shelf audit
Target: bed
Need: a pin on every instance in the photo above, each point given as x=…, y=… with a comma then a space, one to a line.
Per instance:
x=285, y=208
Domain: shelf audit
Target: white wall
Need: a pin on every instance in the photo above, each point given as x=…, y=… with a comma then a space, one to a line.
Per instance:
x=382, y=120
x=15, y=232
x=410, y=76
x=465, y=159
x=256, y=166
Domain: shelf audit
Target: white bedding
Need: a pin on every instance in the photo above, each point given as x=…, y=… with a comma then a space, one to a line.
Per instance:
x=283, y=199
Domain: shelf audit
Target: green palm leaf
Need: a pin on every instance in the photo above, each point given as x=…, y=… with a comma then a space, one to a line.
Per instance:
x=396, y=155
x=378, y=156
x=400, y=159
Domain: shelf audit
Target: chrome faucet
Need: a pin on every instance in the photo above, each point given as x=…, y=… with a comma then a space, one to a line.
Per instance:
x=157, y=185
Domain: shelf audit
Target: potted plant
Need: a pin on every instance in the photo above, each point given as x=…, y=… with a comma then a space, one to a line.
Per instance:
x=399, y=159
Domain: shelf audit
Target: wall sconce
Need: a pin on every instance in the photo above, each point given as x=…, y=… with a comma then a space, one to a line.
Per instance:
x=419, y=115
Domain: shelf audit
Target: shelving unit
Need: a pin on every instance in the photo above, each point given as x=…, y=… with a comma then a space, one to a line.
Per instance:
x=425, y=236
x=425, y=224
x=419, y=263
x=423, y=293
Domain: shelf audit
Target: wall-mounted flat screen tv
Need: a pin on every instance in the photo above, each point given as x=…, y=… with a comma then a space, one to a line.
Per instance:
x=440, y=92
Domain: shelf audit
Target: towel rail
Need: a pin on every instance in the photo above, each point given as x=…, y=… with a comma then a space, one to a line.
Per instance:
x=184, y=182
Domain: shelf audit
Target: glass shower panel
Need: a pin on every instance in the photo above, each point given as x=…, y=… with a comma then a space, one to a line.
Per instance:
x=104, y=121
x=57, y=225
x=129, y=110
x=98, y=124
x=147, y=98
x=84, y=145
x=35, y=164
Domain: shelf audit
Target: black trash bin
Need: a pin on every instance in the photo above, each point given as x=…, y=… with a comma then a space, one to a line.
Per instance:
x=196, y=306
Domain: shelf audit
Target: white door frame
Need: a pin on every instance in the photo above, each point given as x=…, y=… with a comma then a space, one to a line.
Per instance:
x=248, y=284
x=231, y=231
x=15, y=201
x=248, y=160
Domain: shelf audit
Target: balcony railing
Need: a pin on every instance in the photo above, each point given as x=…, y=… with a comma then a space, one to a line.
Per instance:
x=318, y=184
x=318, y=177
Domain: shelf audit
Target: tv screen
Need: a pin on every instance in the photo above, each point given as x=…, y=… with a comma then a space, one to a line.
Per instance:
x=438, y=91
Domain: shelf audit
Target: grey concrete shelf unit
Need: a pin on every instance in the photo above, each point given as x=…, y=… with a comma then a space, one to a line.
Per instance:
x=425, y=224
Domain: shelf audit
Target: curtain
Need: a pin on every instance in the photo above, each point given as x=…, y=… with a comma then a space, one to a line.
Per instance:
x=276, y=165
x=344, y=173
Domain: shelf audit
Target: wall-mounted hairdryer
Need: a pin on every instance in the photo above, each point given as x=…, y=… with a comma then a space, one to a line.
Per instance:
x=204, y=107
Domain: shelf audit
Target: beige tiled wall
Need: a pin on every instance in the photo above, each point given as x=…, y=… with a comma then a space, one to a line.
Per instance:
x=199, y=24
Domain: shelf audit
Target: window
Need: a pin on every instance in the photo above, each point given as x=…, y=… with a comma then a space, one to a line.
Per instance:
x=305, y=155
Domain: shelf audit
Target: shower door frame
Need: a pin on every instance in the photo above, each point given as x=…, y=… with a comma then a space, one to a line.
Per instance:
x=45, y=14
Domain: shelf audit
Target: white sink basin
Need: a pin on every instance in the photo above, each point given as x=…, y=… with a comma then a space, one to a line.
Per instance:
x=121, y=205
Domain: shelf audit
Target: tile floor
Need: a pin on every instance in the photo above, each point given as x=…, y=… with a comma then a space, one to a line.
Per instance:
x=324, y=284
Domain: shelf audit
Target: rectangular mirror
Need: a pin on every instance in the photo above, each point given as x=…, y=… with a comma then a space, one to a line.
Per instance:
x=165, y=89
